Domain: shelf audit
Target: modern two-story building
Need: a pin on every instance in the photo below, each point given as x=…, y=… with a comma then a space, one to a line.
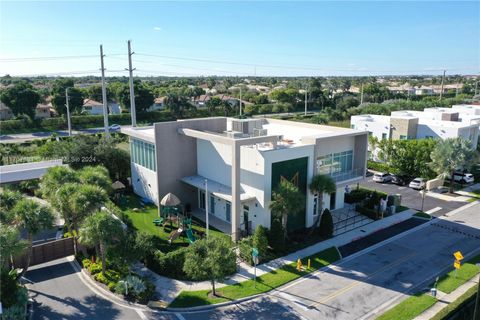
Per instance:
x=239, y=162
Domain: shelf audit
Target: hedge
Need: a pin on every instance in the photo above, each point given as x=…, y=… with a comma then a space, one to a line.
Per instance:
x=378, y=166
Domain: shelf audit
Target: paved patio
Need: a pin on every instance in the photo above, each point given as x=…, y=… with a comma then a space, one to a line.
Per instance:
x=213, y=221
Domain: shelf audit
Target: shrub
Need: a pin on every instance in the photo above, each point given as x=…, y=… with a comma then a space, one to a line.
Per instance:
x=111, y=286
x=245, y=247
x=86, y=263
x=136, y=288
x=8, y=287
x=326, y=224
x=378, y=166
x=169, y=264
x=275, y=236
x=95, y=268
x=372, y=214
x=260, y=241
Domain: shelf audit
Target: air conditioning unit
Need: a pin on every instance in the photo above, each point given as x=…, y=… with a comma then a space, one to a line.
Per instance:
x=259, y=132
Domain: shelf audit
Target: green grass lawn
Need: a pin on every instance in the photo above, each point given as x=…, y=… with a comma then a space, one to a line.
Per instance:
x=450, y=308
x=475, y=195
x=142, y=220
x=448, y=283
x=421, y=214
x=409, y=308
x=264, y=283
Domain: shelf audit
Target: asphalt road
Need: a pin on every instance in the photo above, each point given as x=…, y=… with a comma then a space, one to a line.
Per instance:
x=22, y=137
x=356, y=288
x=412, y=198
x=60, y=294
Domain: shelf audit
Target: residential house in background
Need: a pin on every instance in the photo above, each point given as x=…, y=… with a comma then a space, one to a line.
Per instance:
x=158, y=104
x=43, y=111
x=93, y=107
x=5, y=112
x=436, y=123
x=201, y=101
x=232, y=166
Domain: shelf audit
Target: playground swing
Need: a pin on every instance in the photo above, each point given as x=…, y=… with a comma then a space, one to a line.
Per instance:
x=171, y=211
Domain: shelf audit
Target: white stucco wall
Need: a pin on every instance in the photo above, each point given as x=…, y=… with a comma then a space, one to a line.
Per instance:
x=214, y=161
x=144, y=182
x=377, y=127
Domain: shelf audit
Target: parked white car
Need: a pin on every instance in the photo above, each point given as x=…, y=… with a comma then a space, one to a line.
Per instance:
x=115, y=127
x=382, y=177
x=417, y=183
x=463, y=177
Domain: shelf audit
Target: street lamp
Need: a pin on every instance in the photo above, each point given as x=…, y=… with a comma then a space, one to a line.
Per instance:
x=68, y=113
x=423, y=192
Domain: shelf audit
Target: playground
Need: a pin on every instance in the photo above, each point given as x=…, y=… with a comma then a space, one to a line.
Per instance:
x=174, y=229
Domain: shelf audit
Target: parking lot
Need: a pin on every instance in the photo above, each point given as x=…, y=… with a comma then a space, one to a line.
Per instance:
x=413, y=198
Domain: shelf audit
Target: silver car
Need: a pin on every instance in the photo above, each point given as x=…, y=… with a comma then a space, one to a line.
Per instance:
x=417, y=184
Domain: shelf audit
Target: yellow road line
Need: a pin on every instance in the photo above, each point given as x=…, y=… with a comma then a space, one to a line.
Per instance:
x=357, y=282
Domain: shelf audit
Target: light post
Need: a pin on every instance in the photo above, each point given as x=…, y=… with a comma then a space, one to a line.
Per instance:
x=68, y=113
x=423, y=197
x=206, y=206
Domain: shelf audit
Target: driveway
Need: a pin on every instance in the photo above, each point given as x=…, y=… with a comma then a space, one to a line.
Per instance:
x=413, y=198
x=59, y=293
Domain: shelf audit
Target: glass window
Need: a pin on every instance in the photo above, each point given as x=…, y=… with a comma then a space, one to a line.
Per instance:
x=202, y=199
x=143, y=154
x=340, y=162
x=212, y=204
x=384, y=136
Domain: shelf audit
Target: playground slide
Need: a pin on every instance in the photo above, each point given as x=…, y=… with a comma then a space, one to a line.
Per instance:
x=190, y=236
x=175, y=235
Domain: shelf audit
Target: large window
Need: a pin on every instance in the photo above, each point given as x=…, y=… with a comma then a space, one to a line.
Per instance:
x=335, y=163
x=143, y=154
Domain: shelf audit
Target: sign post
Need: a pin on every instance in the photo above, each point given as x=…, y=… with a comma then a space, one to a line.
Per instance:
x=255, y=261
x=457, y=263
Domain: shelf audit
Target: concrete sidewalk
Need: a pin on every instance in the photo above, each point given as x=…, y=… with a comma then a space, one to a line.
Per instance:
x=445, y=299
x=169, y=288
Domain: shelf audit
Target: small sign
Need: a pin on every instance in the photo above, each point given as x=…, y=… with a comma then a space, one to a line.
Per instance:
x=457, y=264
x=458, y=255
x=254, y=252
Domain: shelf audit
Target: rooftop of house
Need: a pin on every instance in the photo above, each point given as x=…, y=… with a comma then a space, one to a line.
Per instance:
x=289, y=133
x=91, y=103
x=412, y=115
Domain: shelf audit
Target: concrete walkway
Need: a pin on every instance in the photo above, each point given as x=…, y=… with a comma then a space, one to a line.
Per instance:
x=169, y=288
x=445, y=299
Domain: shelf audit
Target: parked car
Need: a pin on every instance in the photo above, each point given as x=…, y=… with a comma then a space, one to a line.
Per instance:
x=400, y=179
x=463, y=177
x=115, y=127
x=382, y=177
x=417, y=183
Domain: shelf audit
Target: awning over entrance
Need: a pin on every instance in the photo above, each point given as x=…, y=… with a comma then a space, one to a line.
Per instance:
x=216, y=188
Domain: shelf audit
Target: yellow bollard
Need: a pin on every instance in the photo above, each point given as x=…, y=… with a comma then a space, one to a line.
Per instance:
x=309, y=264
x=299, y=264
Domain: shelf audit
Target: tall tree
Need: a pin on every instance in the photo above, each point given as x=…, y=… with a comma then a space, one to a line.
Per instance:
x=177, y=104
x=98, y=176
x=319, y=185
x=101, y=230
x=32, y=217
x=21, y=98
x=54, y=178
x=8, y=199
x=450, y=155
x=143, y=96
x=75, y=96
x=211, y=258
x=10, y=244
x=286, y=200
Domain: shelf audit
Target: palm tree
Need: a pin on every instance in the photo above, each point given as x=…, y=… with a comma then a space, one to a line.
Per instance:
x=287, y=199
x=54, y=178
x=321, y=184
x=32, y=217
x=10, y=244
x=97, y=176
x=100, y=230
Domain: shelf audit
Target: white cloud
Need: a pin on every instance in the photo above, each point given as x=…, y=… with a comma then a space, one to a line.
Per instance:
x=157, y=28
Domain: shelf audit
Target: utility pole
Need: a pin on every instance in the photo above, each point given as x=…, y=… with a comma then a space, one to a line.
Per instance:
x=206, y=207
x=476, y=87
x=104, y=95
x=441, y=89
x=361, y=94
x=240, y=102
x=132, y=94
x=306, y=95
x=68, y=113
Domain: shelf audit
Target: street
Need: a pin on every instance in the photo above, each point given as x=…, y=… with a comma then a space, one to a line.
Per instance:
x=358, y=287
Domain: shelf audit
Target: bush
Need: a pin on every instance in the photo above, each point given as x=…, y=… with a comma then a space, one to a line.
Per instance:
x=9, y=288
x=275, y=236
x=94, y=268
x=169, y=264
x=372, y=214
x=245, y=247
x=111, y=286
x=86, y=263
x=326, y=224
x=260, y=241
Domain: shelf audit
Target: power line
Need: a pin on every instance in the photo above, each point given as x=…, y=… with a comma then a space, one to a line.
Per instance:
x=53, y=58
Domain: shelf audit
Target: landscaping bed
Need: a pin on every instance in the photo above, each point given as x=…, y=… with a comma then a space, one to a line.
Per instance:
x=452, y=280
x=263, y=284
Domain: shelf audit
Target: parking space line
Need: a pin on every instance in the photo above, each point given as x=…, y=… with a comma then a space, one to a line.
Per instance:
x=433, y=210
x=141, y=314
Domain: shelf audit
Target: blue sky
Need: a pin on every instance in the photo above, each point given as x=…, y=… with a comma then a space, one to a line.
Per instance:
x=242, y=38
